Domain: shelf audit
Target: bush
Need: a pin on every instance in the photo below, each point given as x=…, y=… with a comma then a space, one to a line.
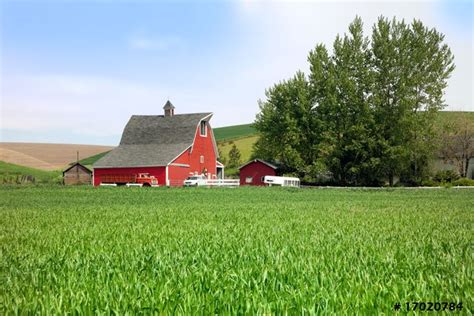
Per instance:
x=464, y=182
x=446, y=176
x=429, y=183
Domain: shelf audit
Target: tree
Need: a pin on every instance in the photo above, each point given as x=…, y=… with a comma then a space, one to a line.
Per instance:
x=234, y=157
x=411, y=66
x=222, y=158
x=285, y=124
x=343, y=107
x=457, y=142
x=366, y=111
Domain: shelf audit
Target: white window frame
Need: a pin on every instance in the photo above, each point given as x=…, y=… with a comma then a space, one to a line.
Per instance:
x=203, y=123
x=248, y=179
x=201, y=159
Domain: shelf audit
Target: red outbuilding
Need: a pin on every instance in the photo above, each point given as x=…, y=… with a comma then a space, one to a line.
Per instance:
x=252, y=172
x=167, y=147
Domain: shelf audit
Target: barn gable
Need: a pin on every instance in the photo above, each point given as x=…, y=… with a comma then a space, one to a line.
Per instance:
x=153, y=140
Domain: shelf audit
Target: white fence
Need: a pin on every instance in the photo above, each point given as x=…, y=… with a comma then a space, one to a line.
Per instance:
x=223, y=183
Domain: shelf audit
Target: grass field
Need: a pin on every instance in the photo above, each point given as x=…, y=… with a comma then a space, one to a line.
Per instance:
x=10, y=173
x=246, y=250
x=244, y=145
x=233, y=132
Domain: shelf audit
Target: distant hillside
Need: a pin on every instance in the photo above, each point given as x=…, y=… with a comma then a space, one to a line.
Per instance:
x=233, y=132
x=46, y=156
x=452, y=115
x=11, y=173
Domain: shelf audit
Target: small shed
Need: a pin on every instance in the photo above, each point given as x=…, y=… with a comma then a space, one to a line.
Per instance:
x=252, y=172
x=77, y=174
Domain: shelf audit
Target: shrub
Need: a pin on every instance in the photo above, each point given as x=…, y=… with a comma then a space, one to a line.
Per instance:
x=429, y=183
x=446, y=176
x=464, y=182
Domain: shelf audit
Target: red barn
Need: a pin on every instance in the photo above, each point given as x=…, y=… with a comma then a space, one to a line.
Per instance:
x=252, y=172
x=169, y=147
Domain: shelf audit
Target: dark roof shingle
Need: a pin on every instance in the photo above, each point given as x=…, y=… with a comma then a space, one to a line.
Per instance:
x=153, y=140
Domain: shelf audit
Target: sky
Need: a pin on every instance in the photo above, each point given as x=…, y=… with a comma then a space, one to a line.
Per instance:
x=75, y=71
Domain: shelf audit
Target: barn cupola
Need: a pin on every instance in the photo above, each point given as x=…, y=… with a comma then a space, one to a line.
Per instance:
x=169, y=108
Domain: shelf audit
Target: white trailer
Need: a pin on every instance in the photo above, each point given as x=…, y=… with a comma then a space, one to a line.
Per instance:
x=282, y=181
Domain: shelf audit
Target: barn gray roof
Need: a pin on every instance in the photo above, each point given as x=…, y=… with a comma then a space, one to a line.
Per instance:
x=153, y=140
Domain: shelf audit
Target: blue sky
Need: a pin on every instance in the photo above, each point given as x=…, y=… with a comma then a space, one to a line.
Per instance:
x=75, y=71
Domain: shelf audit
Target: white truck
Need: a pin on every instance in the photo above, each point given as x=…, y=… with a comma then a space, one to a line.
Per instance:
x=195, y=181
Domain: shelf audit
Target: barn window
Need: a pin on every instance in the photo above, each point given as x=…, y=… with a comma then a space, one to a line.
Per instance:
x=248, y=180
x=203, y=128
x=201, y=159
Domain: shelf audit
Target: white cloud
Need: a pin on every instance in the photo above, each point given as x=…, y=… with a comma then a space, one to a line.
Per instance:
x=141, y=42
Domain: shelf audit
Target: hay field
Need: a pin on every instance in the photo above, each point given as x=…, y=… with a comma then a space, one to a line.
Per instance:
x=46, y=156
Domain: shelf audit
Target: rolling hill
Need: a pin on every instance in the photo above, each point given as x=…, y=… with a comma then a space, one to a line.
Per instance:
x=11, y=173
x=46, y=156
x=233, y=132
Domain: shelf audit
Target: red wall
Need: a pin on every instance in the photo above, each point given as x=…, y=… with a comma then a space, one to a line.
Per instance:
x=203, y=146
x=256, y=170
x=158, y=172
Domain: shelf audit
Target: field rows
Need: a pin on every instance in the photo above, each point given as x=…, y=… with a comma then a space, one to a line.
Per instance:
x=246, y=250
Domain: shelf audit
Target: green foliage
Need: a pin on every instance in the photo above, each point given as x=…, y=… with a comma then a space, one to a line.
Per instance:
x=366, y=112
x=234, y=157
x=446, y=176
x=411, y=67
x=285, y=123
x=233, y=132
x=86, y=250
x=13, y=174
x=429, y=183
x=464, y=182
x=341, y=86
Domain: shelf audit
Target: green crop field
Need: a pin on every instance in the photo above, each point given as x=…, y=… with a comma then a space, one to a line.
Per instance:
x=233, y=132
x=246, y=250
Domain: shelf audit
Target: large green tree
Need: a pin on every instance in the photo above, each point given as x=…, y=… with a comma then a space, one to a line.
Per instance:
x=285, y=123
x=411, y=66
x=365, y=113
x=341, y=88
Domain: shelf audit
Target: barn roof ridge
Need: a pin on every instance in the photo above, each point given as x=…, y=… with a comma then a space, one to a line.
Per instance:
x=153, y=140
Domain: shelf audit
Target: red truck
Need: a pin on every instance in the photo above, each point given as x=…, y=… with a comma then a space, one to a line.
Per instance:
x=145, y=179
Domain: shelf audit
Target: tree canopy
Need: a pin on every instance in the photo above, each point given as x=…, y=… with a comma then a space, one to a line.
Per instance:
x=365, y=112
